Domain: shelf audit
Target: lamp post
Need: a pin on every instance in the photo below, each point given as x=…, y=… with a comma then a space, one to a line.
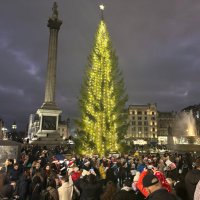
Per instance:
x=14, y=128
x=4, y=130
x=68, y=123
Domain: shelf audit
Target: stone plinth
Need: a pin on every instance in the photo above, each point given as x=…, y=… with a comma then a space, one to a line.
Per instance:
x=9, y=150
x=49, y=141
x=186, y=148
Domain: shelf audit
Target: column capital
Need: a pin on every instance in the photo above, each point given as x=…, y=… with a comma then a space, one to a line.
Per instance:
x=54, y=23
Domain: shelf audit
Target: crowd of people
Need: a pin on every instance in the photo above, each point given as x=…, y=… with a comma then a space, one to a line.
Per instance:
x=47, y=174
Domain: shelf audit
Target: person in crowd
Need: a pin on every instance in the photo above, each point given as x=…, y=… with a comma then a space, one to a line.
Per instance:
x=26, y=159
x=110, y=167
x=46, y=174
x=75, y=174
x=35, y=168
x=36, y=188
x=51, y=189
x=132, y=170
x=179, y=163
x=141, y=164
x=66, y=190
x=86, y=165
x=90, y=187
x=155, y=189
x=102, y=171
x=6, y=189
x=171, y=169
x=110, y=191
x=180, y=188
x=122, y=173
x=7, y=192
x=191, y=179
x=24, y=182
x=43, y=160
x=3, y=180
x=161, y=165
x=138, y=194
x=55, y=166
x=9, y=165
x=197, y=192
x=127, y=192
x=110, y=175
x=14, y=173
x=151, y=170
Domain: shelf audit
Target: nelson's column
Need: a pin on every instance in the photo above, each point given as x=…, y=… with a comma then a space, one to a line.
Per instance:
x=45, y=125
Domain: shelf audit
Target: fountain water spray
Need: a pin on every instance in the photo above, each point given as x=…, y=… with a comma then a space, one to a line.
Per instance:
x=185, y=125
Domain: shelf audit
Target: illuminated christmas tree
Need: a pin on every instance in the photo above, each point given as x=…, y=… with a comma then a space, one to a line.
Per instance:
x=102, y=102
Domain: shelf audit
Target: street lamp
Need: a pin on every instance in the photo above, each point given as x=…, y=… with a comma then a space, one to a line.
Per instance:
x=13, y=132
x=14, y=126
x=4, y=130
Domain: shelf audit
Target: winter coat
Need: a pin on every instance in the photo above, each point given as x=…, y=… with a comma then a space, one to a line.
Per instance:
x=102, y=172
x=36, y=188
x=110, y=175
x=122, y=173
x=161, y=194
x=6, y=191
x=36, y=191
x=126, y=193
x=23, y=187
x=191, y=180
x=65, y=191
x=53, y=193
x=90, y=191
x=14, y=175
x=75, y=176
x=180, y=189
x=141, y=167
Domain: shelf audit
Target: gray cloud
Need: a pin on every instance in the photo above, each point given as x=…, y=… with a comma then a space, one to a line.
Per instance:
x=157, y=42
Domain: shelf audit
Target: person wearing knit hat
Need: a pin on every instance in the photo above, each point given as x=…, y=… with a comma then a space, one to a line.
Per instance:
x=71, y=164
x=155, y=189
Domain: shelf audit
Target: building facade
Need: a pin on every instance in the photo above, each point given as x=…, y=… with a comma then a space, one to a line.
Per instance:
x=142, y=124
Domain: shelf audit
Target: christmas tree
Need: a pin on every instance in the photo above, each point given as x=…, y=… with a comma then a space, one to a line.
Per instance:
x=102, y=103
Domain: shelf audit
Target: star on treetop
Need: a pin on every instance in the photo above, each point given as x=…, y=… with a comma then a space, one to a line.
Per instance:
x=101, y=7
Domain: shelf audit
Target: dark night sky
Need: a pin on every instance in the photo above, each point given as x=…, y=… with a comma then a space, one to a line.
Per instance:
x=157, y=42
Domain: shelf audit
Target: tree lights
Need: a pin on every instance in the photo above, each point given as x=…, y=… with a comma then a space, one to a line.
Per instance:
x=103, y=98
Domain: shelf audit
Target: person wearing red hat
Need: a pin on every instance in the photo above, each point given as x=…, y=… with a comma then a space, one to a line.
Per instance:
x=155, y=190
x=158, y=174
